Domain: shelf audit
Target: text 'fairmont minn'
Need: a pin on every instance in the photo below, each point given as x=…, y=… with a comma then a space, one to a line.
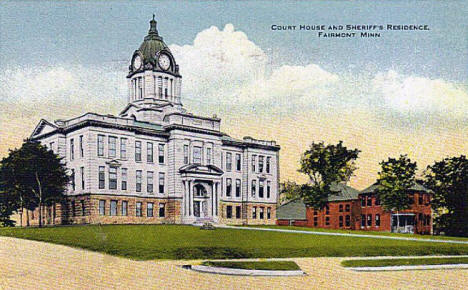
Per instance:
x=350, y=30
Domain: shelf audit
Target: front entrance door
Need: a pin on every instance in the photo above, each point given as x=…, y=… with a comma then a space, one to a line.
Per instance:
x=196, y=208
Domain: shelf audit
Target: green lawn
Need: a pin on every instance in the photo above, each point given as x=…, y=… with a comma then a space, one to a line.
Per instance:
x=145, y=242
x=359, y=232
x=260, y=265
x=403, y=262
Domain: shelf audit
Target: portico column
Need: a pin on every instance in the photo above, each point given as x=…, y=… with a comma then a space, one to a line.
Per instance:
x=191, y=197
x=216, y=198
x=185, y=197
x=212, y=199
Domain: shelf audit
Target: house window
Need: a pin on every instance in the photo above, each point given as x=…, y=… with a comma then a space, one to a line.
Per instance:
x=254, y=188
x=162, y=209
x=260, y=163
x=112, y=146
x=268, y=212
x=363, y=201
x=341, y=221
x=81, y=146
x=254, y=163
x=327, y=209
x=149, y=181
x=369, y=220
x=124, y=179
x=197, y=155
x=268, y=189
x=327, y=221
x=102, y=177
x=137, y=150
x=377, y=220
x=238, y=212
x=229, y=212
x=138, y=180
x=261, y=185
x=363, y=221
x=347, y=208
x=73, y=208
x=113, y=207
x=160, y=87
x=238, y=162
x=341, y=208
x=186, y=157
x=112, y=177
x=228, y=161
x=262, y=213
x=369, y=201
x=161, y=153
x=348, y=220
x=377, y=200
x=123, y=148
x=149, y=209
x=254, y=212
x=100, y=145
x=138, y=209
x=315, y=212
x=149, y=152
x=73, y=179
x=82, y=178
x=228, y=187
x=72, y=149
x=51, y=146
x=102, y=207
x=162, y=178
x=420, y=198
x=268, y=164
x=124, y=210
x=315, y=221
x=83, y=208
x=238, y=187
x=208, y=155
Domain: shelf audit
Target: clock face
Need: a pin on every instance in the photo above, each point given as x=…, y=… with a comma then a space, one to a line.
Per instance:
x=137, y=63
x=164, y=61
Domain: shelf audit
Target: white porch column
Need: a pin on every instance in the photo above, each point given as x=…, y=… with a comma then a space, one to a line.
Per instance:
x=191, y=197
x=185, y=197
x=212, y=198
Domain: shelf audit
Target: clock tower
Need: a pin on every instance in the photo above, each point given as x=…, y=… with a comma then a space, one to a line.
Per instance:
x=153, y=79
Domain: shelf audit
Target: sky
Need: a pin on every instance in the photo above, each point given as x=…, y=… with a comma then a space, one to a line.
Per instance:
x=405, y=92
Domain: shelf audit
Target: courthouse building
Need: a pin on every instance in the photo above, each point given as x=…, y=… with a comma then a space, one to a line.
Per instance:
x=157, y=163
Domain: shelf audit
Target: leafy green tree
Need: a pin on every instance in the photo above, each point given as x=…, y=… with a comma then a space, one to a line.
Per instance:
x=448, y=179
x=289, y=190
x=395, y=179
x=7, y=207
x=325, y=165
x=34, y=176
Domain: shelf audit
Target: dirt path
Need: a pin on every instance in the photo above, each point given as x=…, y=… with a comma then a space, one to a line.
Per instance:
x=37, y=265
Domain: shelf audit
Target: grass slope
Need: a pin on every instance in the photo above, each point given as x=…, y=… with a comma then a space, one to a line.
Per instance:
x=403, y=262
x=260, y=265
x=145, y=242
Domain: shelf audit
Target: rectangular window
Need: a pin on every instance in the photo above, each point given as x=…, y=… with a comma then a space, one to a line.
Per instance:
x=137, y=150
x=377, y=220
x=149, y=209
x=369, y=220
x=83, y=208
x=51, y=146
x=228, y=187
x=369, y=201
x=138, y=209
x=186, y=156
x=327, y=209
x=347, y=208
x=315, y=212
x=341, y=208
x=268, y=189
x=124, y=209
x=72, y=177
x=229, y=212
x=228, y=161
x=315, y=221
x=197, y=158
x=262, y=213
x=363, y=221
x=72, y=149
x=102, y=207
x=420, y=198
x=208, y=156
x=149, y=152
x=149, y=181
x=161, y=154
x=268, y=212
x=100, y=145
x=123, y=148
x=254, y=188
x=112, y=177
x=327, y=221
x=138, y=181
x=162, y=177
x=260, y=163
x=238, y=187
x=254, y=212
x=340, y=221
x=238, y=162
x=254, y=163
x=348, y=221
x=162, y=210
x=238, y=212
x=268, y=164
x=363, y=201
x=81, y=147
x=102, y=177
x=82, y=178
x=377, y=200
x=112, y=150
x=113, y=207
x=261, y=184
x=124, y=179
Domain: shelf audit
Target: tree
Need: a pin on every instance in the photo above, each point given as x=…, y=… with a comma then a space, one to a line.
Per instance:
x=395, y=179
x=325, y=165
x=448, y=179
x=34, y=176
x=290, y=190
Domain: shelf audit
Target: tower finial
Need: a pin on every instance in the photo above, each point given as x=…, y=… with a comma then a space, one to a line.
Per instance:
x=153, y=16
x=153, y=30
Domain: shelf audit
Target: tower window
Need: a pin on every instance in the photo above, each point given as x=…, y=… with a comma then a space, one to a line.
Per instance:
x=160, y=87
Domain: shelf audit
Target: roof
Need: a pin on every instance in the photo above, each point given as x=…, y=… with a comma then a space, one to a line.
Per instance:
x=292, y=210
x=343, y=192
x=415, y=187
